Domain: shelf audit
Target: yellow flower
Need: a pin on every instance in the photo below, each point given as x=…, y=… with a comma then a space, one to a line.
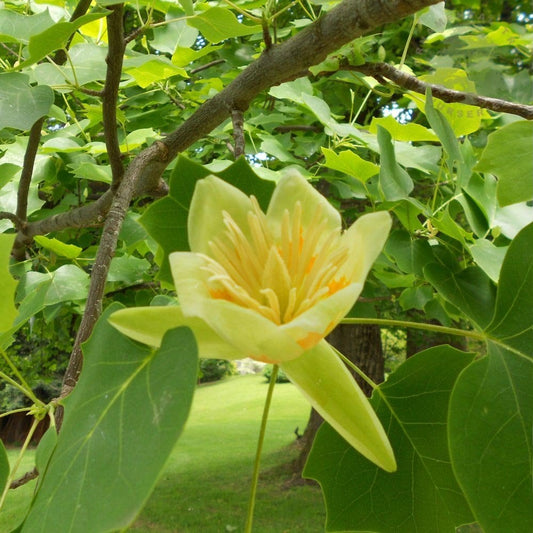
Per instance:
x=271, y=286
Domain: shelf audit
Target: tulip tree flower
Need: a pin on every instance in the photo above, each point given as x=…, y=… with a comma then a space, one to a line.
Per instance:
x=271, y=286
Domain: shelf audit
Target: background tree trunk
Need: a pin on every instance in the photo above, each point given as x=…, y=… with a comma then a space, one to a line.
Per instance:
x=419, y=339
x=362, y=345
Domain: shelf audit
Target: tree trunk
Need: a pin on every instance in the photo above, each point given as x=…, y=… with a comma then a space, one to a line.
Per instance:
x=361, y=344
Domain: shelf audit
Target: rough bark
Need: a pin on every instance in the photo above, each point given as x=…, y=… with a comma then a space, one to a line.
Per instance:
x=419, y=339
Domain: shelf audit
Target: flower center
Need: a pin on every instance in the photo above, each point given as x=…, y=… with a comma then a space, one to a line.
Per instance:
x=279, y=278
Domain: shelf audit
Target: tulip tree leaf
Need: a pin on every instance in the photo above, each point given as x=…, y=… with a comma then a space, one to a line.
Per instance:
x=423, y=494
x=512, y=324
x=166, y=219
x=218, y=24
x=515, y=183
x=470, y=290
x=4, y=467
x=491, y=416
x=394, y=181
x=16, y=27
x=8, y=285
x=21, y=104
x=122, y=419
x=70, y=251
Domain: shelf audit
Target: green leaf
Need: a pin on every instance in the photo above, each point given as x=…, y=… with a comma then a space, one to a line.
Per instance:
x=491, y=416
x=4, y=467
x=166, y=219
x=69, y=282
x=411, y=255
x=128, y=269
x=470, y=290
x=509, y=155
x=21, y=105
x=218, y=24
x=123, y=419
x=513, y=319
x=15, y=27
x=415, y=297
x=70, y=251
x=146, y=70
x=7, y=284
x=55, y=37
x=402, y=132
x=434, y=17
x=423, y=494
x=489, y=257
x=350, y=163
x=394, y=181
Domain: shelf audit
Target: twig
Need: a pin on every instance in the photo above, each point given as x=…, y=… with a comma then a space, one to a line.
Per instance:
x=27, y=169
x=207, y=65
x=238, y=132
x=19, y=224
x=26, y=478
x=114, y=59
x=407, y=81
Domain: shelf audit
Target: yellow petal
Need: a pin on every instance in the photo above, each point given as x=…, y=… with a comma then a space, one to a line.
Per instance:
x=332, y=391
x=212, y=196
x=149, y=324
x=293, y=187
x=365, y=240
x=321, y=318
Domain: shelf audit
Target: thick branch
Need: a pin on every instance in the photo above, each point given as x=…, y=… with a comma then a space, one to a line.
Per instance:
x=238, y=132
x=114, y=59
x=407, y=81
x=106, y=250
x=27, y=169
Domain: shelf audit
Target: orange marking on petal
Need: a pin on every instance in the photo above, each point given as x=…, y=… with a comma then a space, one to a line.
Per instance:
x=336, y=285
x=310, y=340
x=220, y=294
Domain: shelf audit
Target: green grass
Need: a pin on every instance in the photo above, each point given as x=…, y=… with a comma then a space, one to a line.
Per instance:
x=205, y=485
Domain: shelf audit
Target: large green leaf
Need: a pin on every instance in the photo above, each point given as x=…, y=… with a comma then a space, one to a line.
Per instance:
x=423, y=494
x=4, y=467
x=491, y=417
x=7, y=284
x=394, y=181
x=21, y=104
x=166, y=219
x=513, y=319
x=509, y=155
x=121, y=422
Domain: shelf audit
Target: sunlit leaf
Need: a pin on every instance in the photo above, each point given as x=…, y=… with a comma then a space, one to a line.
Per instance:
x=70, y=251
x=423, y=494
x=217, y=24
x=123, y=420
x=350, y=163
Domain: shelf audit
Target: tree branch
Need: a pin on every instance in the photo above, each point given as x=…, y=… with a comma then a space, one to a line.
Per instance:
x=407, y=81
x=114, y=59
x=19, y=224
x=238, y=132
x=106, y=251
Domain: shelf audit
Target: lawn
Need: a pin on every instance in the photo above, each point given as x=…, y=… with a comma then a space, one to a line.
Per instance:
x=204, y=488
